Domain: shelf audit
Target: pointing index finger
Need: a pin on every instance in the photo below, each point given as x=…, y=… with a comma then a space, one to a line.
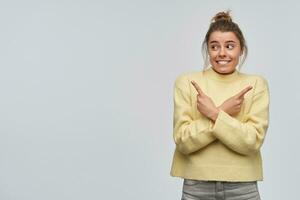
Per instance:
x=196, y=86
x=244, y=91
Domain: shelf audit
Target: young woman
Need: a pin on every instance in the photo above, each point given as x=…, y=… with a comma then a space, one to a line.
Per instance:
x=221, y=117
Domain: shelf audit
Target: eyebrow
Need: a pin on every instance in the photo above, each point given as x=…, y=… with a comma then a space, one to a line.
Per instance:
x=229, y=41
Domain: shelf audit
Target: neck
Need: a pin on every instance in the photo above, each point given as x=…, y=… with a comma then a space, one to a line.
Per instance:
x=211, y=73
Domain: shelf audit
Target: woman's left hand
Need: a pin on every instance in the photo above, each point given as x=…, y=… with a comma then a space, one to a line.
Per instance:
x=205, y=105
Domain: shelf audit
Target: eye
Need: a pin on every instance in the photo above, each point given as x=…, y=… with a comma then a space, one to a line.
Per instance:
x=230, y=46
x=214, y=47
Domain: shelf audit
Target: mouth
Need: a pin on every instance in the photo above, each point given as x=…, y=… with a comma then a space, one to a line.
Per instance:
x=222, y=62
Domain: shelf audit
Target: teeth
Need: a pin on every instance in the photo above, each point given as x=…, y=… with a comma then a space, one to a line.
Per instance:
x=223, y=62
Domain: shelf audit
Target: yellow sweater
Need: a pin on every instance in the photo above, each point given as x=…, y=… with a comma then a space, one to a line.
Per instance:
x=229, y=148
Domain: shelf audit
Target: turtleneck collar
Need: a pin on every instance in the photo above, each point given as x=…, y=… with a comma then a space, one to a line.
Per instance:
x=211, y=73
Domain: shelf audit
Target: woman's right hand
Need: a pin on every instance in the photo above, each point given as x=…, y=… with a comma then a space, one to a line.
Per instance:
x=233, y=105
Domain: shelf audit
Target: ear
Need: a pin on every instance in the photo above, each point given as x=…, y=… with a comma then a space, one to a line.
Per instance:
x=241, y=52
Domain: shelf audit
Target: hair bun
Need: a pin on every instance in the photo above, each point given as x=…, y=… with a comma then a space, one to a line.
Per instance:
x=222, y=16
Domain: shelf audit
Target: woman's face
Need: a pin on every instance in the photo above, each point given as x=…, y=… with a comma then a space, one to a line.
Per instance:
x=224, y=51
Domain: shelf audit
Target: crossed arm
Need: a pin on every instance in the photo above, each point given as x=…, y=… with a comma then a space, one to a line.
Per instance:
x=243, y=137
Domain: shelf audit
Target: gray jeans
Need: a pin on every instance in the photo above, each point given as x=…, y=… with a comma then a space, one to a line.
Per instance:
x=219, y=190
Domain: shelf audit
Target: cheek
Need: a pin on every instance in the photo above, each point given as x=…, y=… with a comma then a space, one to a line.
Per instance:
x=211, y=58
x=212, y=55
x=235, y=55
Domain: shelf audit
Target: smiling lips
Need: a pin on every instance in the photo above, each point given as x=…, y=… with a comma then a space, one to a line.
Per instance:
x=223, y=62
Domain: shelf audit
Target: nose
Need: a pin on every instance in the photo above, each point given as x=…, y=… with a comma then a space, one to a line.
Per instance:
x=222, y=52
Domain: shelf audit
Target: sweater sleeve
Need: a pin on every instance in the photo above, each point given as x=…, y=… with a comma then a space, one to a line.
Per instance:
x=246, y=137
x=189, y=134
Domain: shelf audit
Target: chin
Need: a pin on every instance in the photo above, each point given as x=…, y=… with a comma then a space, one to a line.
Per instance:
x=224, y=69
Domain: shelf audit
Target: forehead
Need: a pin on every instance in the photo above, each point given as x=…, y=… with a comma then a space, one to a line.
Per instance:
x=222, y=37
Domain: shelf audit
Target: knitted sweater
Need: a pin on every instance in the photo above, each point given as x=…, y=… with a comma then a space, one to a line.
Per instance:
x=229, y=148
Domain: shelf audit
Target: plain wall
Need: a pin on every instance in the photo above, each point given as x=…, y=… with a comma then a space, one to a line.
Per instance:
x=86, y=103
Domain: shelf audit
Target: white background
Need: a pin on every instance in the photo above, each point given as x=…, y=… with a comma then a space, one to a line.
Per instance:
x=86, y=87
